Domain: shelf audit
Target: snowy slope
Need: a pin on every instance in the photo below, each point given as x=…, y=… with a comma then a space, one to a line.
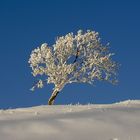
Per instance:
x=120, y=121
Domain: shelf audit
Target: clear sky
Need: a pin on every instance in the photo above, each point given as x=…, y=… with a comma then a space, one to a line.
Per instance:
x=24, y=25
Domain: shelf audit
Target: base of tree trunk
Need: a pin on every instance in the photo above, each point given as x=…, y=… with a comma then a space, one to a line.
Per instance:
x=52, y=98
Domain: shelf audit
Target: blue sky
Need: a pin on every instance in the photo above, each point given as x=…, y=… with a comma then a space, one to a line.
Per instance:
x=24, y=25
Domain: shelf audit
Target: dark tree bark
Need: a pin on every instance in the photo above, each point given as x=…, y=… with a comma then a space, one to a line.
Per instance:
x=52, y=98
x=76, y=57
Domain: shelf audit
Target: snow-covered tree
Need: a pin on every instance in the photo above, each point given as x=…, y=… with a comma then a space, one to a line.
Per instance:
x=73, y=58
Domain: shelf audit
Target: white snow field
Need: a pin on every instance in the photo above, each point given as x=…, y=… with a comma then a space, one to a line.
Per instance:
x=119, y=121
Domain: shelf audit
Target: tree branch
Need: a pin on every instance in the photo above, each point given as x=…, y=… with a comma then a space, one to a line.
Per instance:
x=36, y=84
x=76, y=57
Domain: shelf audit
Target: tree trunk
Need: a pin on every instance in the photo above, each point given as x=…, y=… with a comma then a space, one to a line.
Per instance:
x=52, y=98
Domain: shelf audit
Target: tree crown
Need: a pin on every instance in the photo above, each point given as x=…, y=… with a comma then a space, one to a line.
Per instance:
x=73, y=58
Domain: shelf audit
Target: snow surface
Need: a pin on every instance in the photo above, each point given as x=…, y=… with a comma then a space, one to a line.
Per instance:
x=119, y=121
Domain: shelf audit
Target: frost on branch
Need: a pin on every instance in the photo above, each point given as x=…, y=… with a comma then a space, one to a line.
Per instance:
x=73, y=58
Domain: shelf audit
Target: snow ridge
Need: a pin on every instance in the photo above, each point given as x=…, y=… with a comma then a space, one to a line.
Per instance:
x=119, y=121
